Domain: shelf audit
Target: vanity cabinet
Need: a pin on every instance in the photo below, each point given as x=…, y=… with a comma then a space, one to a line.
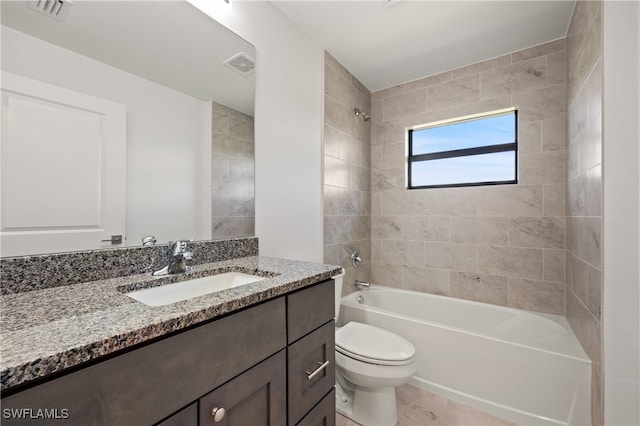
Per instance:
x=255, y=363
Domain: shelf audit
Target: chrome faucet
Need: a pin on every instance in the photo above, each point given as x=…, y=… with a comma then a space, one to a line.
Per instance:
x=177, y=262
x=362, y=284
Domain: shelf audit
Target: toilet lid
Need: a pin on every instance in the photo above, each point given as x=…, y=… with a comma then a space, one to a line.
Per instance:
x=373, y=344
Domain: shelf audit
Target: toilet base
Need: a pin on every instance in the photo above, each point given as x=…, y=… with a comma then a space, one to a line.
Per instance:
x=368, y=406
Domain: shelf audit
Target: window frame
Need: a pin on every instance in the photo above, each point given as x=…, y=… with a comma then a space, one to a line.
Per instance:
x=464, y=152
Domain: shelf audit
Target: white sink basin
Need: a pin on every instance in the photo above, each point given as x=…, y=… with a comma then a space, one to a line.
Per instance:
x=176, y=292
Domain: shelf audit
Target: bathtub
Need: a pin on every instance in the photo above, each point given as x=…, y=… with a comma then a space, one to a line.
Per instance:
x=525, y=367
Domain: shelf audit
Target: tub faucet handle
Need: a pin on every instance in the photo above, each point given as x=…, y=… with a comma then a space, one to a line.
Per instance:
x=362, y=284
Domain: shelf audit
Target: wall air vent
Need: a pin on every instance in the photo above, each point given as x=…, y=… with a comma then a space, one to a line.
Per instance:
x=56, y=9
x=241, y=63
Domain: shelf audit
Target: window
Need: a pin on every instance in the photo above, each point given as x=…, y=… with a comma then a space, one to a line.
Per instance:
x=466, y=151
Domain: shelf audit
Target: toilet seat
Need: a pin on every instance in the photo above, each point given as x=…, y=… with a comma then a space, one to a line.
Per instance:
x=373, y=345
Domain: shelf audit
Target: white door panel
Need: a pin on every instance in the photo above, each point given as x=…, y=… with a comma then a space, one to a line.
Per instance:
x=63, y=168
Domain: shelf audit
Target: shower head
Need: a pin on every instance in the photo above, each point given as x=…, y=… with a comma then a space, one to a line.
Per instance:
x=358, y=113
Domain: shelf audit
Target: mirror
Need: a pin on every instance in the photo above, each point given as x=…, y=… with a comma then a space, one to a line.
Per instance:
x=188, y=121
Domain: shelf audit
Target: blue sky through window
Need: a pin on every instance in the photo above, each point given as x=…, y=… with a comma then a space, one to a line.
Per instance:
x=473, y=168
x=467, y=134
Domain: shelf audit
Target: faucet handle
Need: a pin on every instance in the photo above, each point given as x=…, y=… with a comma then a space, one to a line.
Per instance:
x=179, y=246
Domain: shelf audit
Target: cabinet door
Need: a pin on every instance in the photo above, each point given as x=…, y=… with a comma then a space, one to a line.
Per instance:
x=185, y=417
x=256, y=397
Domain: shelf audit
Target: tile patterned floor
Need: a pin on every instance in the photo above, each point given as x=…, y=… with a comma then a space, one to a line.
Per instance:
x=418, y=407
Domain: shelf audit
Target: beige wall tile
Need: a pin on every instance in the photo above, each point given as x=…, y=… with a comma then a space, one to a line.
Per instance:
x=387, y=179
x=386, y=227
x=510, y=261
x=360, y=228
x=586, y=327
x=393, y=156
x=540, y=104
x=465, y=231
x=597, y=402
x=479, y=107
x=480, y=287
x=337, y=229
x=554, y=199
x=591, y=145
x=556, y=67
x=428, y=81
x=387, y=132
x=409, y=103
x=331, y=141
x=542, y=49
x=554, y=266
x=385, y=93
x=426, y=280
x=554, y=134
x=360, y=177
x=455, y=92
x=541, y=232
x=426, y=228
x=481, y=230
x=542, y=167
x=481, y=66
x=530, y=136
x=385, y=274
x=510, y=200
x=409, y=253
x=336, y=172
x=456, y=257
x=514, y=78
x=539, y=296
x=594, y=191
x=584, y=238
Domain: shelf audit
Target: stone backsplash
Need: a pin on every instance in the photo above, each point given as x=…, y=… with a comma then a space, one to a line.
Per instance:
x=27, y=273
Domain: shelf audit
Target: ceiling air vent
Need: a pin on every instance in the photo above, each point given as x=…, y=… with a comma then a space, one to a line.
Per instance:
x=241, y=63
x=56, y=9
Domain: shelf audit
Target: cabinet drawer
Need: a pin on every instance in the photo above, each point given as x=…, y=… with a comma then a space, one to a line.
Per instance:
x=257, y=397
x=323, y=414
x=309, y=308
x=311, y=368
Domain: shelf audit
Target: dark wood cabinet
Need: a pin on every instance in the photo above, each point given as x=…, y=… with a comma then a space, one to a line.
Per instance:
x=257, y=397
x=255, y=364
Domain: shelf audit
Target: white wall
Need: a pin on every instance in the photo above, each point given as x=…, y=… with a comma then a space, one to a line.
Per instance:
x=288, y=128
x=168, y=137
x=621, y=159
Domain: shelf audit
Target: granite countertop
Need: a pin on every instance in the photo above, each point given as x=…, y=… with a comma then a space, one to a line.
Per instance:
x=46, y=331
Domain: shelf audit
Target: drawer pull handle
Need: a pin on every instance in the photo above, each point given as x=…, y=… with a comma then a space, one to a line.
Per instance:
x=311, y=375
x=218, y=414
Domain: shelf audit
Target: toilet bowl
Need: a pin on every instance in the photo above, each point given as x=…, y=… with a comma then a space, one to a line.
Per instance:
x=370, y=364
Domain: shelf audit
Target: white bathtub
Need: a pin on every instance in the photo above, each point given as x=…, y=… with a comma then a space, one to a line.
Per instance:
x=519, y=365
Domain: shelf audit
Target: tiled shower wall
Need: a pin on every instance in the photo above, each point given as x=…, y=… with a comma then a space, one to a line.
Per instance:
x=495, y=244
x=347, y=169
x=232, y=174
x=584, y=188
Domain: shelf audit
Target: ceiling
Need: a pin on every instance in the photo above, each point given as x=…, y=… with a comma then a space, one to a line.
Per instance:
x=179, y=46
x=385, y=43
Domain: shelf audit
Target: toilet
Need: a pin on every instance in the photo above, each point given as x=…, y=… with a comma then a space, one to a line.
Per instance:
x=370, y=363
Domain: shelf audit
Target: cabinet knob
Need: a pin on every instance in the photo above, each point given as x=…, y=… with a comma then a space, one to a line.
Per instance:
x=218, y=414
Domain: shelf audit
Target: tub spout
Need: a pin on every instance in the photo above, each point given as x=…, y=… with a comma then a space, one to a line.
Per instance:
x=362, y=284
